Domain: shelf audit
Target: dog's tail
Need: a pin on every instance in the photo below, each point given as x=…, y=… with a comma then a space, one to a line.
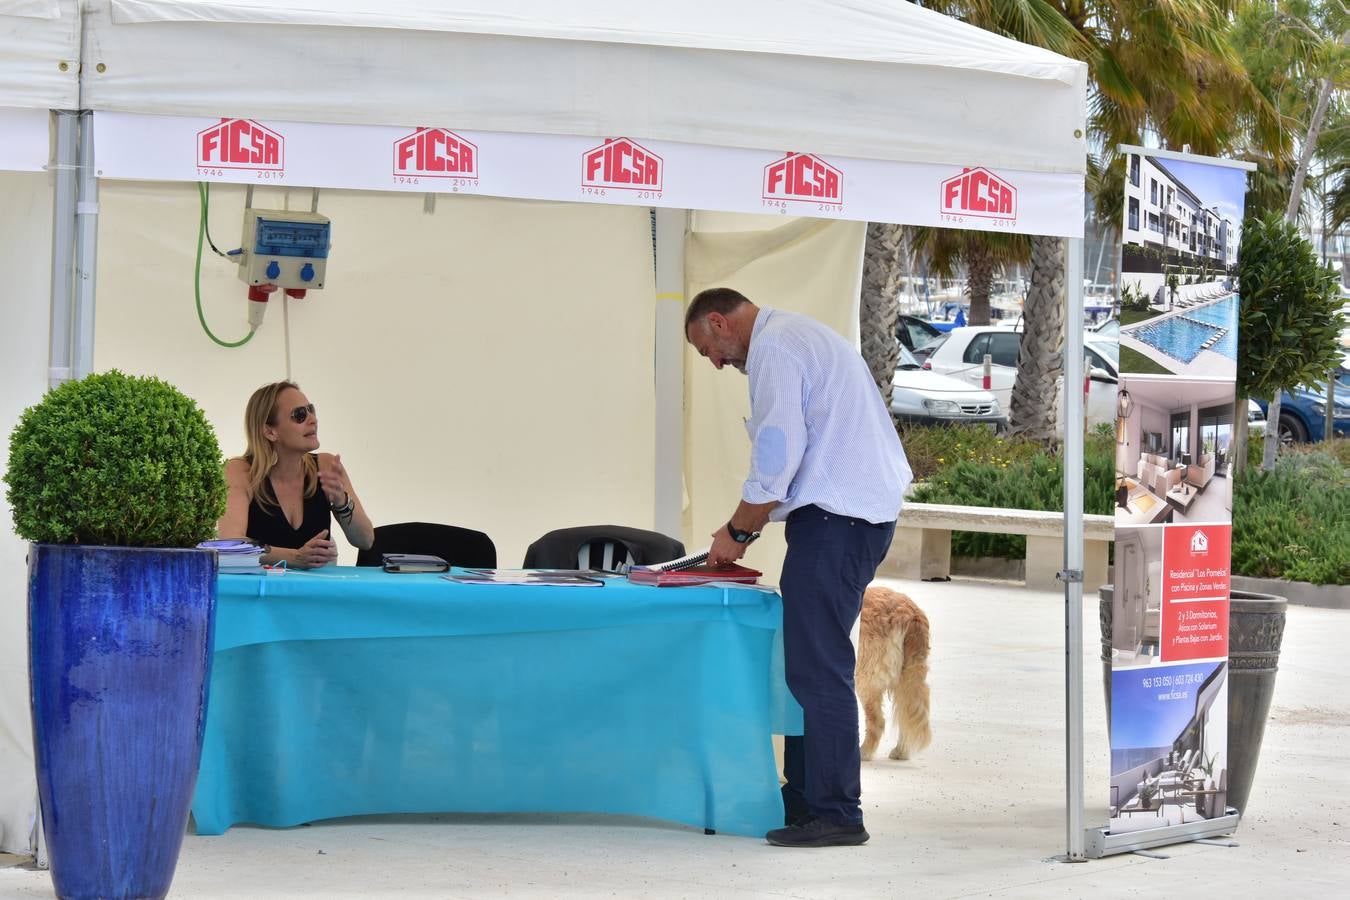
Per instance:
x=910, y=702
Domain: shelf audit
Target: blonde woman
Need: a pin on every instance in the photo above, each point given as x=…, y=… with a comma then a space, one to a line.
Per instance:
x=282, y=493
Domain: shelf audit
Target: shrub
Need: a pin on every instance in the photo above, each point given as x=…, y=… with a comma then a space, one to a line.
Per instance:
x=1294, y=521
x=1008, y=473
x=932, y=448
x=117, y=460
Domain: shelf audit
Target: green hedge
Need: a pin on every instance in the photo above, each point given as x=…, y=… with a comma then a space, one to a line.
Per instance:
x=970, y=466
x=1294, y=522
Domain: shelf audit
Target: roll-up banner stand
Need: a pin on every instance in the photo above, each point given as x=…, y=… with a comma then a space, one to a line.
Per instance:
x=1167, y=624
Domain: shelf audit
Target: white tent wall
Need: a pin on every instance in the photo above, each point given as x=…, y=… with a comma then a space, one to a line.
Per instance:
x=488, y=365
x=25, y=258
x=803, y=265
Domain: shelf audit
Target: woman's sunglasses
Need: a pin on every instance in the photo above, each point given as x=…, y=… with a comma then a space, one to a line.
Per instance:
x=301, y=414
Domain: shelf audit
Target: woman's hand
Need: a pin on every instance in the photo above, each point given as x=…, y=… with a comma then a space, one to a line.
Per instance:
x=317, y=551
x=333, y=481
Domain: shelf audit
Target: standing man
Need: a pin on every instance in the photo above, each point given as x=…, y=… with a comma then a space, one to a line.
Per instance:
x=826, y=459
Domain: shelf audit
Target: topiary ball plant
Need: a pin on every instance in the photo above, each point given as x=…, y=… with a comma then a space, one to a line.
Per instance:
x=115, y=460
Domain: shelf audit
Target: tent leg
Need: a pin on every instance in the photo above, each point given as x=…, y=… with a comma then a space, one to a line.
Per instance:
x=668, y=227
x=63, y=245
x=86, y=249
x=1074, y=415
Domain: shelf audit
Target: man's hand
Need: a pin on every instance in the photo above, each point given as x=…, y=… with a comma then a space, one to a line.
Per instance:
x=317, y=551
x=724, y=550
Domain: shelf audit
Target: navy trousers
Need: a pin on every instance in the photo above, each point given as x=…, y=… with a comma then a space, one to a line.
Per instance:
x=830, y=561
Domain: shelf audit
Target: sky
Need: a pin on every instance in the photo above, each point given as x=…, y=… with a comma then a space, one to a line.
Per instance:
x=1219, y=186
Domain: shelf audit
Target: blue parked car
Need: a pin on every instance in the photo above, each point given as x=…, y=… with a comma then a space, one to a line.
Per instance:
x=1303, y=411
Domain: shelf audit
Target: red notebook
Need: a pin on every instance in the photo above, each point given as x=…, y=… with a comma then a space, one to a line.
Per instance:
x=691, y=570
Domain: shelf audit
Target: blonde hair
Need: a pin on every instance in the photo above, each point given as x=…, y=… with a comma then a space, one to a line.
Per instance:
x=260, y=455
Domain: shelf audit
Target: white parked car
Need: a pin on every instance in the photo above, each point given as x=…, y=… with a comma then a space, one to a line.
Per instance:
x=924, y=397
x=960, y=353
x=1256, y=418
x=1107, y=330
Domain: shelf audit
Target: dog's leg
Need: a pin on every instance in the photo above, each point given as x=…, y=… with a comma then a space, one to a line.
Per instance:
x=901, y=749
x=910, y=709
x=870, y=695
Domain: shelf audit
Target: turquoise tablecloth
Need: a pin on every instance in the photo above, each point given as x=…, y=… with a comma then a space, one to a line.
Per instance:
x=350, y=691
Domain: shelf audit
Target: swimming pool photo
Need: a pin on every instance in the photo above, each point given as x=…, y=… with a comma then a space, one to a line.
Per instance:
x=1183, y=336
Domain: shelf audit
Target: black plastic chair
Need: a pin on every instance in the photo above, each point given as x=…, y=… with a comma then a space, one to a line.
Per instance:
x=457, y=546
x=601, y=547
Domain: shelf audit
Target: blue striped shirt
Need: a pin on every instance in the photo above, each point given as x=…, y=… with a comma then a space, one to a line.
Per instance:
x=819, y=430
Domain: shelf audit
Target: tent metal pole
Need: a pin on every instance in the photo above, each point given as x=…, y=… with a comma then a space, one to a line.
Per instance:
x=669, y=227
x=1074, y=423
x=86, y=248
x=63, y=245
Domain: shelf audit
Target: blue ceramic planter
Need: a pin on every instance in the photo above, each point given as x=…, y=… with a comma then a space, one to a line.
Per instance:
x=120, y=658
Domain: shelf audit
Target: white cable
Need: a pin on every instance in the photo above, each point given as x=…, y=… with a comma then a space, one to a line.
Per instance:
x=286, y=330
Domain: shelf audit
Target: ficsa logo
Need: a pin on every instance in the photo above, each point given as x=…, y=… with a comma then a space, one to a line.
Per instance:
x=621, y=163
x=1199, y=543
x=241, y=144
x=978, y=192
x=435, y=153
x=803, y=176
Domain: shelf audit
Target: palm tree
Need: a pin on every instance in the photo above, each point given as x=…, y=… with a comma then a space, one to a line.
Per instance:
x=883, y=265
x=983, y=253
x=1033, y=412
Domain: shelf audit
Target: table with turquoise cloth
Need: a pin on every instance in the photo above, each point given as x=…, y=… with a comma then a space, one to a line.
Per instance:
x=347, y=691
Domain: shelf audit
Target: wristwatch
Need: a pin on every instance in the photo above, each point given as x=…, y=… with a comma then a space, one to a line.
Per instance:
x=741, y=537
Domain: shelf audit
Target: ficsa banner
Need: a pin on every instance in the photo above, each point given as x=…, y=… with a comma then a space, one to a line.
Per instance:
x=440, y=158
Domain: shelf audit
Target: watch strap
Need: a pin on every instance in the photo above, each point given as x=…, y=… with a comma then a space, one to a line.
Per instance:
x=739, y=536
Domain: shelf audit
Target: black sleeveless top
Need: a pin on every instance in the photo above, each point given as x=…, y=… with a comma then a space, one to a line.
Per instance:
x=268, y=525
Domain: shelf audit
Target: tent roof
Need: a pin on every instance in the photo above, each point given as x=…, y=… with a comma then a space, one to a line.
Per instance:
x=36, y=37
x=866, y=78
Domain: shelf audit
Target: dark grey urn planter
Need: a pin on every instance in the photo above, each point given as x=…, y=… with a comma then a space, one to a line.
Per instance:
x=1255, y=631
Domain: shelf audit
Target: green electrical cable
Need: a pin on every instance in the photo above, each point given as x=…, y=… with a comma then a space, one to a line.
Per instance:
x=197, y=277
x=210, y=243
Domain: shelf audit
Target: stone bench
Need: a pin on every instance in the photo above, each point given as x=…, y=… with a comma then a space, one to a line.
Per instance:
x=922, y=548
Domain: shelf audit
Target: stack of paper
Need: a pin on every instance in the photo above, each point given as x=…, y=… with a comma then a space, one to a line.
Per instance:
x=235, y=556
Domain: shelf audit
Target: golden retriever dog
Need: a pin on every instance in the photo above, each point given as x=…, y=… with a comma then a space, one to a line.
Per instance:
x=893, y=657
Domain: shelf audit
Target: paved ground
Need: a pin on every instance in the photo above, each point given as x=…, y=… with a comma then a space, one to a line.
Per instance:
x=980, y=813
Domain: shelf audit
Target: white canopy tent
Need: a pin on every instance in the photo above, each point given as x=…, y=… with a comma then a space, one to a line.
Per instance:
x=898, y=114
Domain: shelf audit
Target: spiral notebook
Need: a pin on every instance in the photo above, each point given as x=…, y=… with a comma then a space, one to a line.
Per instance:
x=692, y=569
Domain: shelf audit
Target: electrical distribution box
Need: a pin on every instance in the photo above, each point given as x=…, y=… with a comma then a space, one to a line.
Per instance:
x=284, y=247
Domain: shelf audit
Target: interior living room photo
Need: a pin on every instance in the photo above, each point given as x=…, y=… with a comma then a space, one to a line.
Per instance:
x=1173, y=437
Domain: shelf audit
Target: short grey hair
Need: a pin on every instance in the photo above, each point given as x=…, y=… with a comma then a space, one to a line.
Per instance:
x=720, y=300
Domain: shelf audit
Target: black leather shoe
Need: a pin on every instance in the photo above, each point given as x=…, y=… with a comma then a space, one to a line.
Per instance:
x=817, y=833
